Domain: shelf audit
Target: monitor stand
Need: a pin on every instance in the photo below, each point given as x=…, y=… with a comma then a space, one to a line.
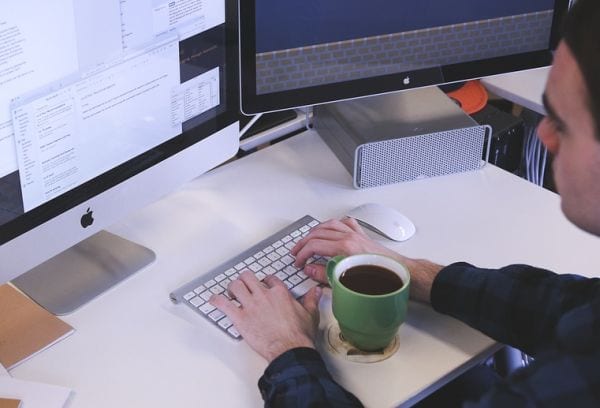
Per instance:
x=74, y=277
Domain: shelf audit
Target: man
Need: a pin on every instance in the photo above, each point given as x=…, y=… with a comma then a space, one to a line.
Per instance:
x=555, y=318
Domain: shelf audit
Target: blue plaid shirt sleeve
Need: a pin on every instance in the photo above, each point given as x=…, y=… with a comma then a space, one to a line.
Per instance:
x=555, y=318
x=299, y=378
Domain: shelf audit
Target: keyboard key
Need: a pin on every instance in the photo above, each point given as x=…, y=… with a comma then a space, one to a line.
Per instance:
x=259, y=255
x=277, y=244
x=249, y=260
x=287, y=260
x=313, y=223
x=295, y=234
x=288, y=284
x=290, y=270
x=286, y=239
x=304, y=228
x=268, y=249
x=240, y=266
x=206, y=295
x=278, y=265
x=233, y=332
x=200, y=289
x=295, y=279
x=260, y=276
x=226, y=282
x=225, y=323
x=264, y=261
x=210, y=283
x=282, y=251
x=302, y=275
x=255, y=267
x=189, y=295
x=269, y=270
x=220, y=277
x=217, y=289
x=301, y=289
x=281, y=275
x=230, y=271
x=290, y=245
x=215, y=315
x=273, y=256
x=206, y=308
x=196, y=301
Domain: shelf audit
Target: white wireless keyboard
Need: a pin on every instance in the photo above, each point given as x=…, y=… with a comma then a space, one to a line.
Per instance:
x=269, y=257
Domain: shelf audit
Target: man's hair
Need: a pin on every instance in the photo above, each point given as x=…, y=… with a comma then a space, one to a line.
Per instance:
x=582, y=36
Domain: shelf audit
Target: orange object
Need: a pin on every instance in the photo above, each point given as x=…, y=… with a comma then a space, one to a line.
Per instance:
x=471, y=97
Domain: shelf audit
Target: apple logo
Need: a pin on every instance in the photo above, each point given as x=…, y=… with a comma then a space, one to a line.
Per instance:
x=87, y=219
x=406, y=81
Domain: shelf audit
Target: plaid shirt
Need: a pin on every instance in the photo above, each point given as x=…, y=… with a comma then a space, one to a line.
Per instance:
x=554, y=318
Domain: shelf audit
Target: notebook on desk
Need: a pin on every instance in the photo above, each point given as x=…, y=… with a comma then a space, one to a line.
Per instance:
x=25, y=327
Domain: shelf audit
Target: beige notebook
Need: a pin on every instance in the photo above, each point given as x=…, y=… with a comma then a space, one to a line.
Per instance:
x=9, y=403
x=25, y=327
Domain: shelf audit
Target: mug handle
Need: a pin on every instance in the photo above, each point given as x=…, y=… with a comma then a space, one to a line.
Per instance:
x=331, y=264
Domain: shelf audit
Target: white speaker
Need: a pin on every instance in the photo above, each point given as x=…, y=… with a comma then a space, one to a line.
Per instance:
x=403, y=136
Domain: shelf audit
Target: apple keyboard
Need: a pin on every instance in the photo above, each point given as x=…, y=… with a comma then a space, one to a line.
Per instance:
x=271, y=256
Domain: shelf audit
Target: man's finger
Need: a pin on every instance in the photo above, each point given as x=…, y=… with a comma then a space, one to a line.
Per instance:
x=323, y=234
x=320, y=247
x=226, y=306
x=240, y=291
x=273, y=281
x=316, y=272
x=251, y=281
x=310, y=301
x=353, y=224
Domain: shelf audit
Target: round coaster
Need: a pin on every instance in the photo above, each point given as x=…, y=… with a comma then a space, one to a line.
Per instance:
x=339, y=346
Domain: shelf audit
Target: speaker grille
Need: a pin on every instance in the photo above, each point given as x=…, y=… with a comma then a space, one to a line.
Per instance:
x=422, y=156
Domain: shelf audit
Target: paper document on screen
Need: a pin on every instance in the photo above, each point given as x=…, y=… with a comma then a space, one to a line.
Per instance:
x=71, y=135
x=196, y=96
x=189, y=17
x=29, y=60
x=34, y=394
x=186, y=18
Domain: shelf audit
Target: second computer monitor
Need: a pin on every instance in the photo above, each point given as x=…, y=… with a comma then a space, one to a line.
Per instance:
x=322, y=51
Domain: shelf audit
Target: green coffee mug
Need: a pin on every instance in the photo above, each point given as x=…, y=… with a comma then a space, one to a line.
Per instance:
x=369, y=322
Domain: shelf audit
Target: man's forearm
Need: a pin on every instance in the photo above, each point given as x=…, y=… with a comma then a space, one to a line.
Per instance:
x=422, y=275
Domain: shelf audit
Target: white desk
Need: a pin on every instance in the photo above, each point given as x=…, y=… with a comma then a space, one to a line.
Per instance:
x=524, y=88
x=133, y=348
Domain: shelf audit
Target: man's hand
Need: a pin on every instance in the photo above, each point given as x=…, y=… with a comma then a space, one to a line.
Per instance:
x=270, y=319
x=345, y=237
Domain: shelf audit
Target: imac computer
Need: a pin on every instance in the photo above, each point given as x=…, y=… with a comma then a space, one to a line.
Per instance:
x=105, y=106
x=318, y=51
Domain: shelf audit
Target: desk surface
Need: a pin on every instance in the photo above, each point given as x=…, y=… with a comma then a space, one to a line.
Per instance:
x=524, y=87
x=133, y=348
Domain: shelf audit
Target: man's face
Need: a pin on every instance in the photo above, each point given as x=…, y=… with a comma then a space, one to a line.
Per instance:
x=568, y=133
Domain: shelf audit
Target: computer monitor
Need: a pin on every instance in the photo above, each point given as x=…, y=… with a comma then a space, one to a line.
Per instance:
x=105, y=106
x=300, y=54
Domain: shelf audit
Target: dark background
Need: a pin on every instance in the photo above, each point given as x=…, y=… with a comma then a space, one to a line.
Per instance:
x=284, y=24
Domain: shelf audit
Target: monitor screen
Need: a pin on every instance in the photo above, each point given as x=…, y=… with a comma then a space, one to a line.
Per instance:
x=323, y=51
x=93, y=93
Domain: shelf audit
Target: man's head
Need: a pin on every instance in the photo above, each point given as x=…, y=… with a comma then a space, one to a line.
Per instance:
x=571, y=131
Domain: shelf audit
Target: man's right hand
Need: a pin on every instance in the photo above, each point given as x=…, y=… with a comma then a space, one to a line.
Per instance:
x=346, y=237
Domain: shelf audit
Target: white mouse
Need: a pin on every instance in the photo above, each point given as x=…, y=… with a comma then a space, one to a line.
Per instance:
x=384, y=220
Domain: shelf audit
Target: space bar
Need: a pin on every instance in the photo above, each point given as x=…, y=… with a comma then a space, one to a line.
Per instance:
x=302, y=288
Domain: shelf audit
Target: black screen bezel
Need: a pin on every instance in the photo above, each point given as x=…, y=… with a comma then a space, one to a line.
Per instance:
x=253, y=103
x=227, y=114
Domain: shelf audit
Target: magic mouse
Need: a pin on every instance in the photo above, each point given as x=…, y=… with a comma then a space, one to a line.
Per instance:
x=384, y=220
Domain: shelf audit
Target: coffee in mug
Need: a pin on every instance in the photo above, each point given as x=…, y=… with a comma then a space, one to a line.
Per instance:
x=371, y=280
